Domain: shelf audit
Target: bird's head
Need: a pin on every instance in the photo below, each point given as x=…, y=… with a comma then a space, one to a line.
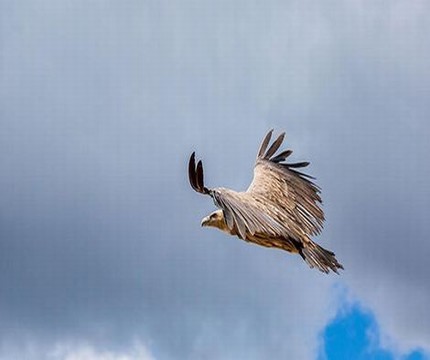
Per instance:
x=215, y=219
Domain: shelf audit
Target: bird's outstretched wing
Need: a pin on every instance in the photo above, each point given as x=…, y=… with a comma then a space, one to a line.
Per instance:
x=280, y=201
x=292, y=191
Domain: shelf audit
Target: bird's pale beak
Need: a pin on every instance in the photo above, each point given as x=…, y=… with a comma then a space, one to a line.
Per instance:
x=205, y=221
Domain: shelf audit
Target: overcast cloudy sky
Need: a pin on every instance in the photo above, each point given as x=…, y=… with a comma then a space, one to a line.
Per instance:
x=101, y=251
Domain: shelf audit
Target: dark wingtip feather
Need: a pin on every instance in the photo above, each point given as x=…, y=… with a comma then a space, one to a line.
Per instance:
x=199, y=175
x=192, y=171
x=282, y=156
x=298, y=164
x=300, y=174
x=264, y=144
x=275, y=146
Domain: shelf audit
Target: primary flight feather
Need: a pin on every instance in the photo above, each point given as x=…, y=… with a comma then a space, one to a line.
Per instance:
x=280, y=209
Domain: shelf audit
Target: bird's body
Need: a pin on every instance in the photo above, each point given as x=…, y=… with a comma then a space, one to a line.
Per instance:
x=216, y=219
x=279, y=209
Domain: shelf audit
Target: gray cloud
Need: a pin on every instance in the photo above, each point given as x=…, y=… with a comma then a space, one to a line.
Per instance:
x=101, y=106
x=379, y=155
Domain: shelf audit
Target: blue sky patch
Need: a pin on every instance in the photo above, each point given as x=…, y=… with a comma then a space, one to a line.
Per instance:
x=354, y=334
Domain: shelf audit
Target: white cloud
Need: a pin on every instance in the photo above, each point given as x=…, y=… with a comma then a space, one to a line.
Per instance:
x=11, y=350
x=87, y=352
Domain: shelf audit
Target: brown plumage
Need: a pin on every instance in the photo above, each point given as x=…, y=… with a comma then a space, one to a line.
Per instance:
x=280, y=209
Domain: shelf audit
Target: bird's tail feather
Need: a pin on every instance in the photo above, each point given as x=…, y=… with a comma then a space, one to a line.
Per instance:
x=316, y=256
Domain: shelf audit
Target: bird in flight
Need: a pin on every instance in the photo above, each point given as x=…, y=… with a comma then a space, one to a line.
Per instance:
x=280, y=209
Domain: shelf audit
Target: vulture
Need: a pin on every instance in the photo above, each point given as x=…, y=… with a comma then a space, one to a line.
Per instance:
x=280, y=209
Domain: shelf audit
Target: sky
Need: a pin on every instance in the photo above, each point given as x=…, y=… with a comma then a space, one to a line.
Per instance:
x=101, y=251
